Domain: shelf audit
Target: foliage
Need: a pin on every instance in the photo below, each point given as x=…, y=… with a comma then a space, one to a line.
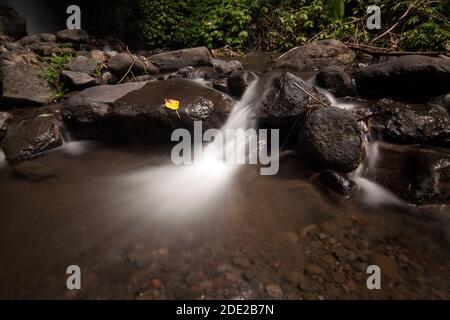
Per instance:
x=53, y=74
x=283, y=24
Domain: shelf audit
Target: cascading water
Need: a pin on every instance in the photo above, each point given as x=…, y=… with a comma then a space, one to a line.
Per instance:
x=189, y=189
x=373, y=194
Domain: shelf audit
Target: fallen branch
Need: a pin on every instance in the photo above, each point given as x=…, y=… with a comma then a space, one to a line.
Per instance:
x=310, y=95
x=378, y=51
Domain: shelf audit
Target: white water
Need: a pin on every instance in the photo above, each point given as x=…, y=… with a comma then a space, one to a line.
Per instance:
x=188, y=189
x=2, y=159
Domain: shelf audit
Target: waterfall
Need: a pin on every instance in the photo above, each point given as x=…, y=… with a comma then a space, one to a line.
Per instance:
x=189, y=189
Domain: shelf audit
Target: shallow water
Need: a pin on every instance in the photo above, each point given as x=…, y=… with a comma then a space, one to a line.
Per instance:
x=125, y=215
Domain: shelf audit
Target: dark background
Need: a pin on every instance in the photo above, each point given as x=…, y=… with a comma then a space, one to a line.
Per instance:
x=116, y=18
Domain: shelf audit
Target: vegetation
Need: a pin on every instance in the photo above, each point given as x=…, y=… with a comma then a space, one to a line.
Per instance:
x=53, y=74
x=283, y=24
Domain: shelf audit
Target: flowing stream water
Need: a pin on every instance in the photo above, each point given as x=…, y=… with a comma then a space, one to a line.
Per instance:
x=126, y=214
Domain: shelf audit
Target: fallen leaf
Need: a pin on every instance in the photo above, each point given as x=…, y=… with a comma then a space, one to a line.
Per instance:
x=173, y=105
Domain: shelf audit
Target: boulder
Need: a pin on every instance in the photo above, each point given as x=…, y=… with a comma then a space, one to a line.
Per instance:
x=122, y=62
x=336, y=184
x=316, y=55
x=73, y=36
x=221, y=85
x=174, y=60
x=412, y=77
x=411, y=123
x=418, y=174
x=239, y=81
x=77, y=80
x=82, y=64
x=27, y=40
x=47, y=37
x=24, y=85
x=287, y=100
x=442, y=101
x=34, y=171
x=225, y=68
x=31, y=137
x=137, y=110
x=330, y=138
x=4, y=117
x=336, y=81
x=11, y=24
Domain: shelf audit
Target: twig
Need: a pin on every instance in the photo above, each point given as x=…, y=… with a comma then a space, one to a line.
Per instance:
x=344, y=24
x=395, y=24
x=374, y=51
x=310, y=95
x=129, y=69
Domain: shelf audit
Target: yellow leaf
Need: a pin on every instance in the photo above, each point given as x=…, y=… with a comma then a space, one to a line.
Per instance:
x=172, y=104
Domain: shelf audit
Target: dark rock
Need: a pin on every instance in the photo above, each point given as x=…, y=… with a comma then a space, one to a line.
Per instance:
x=418, y=174
x=47, y=37
x=316, y=55
x=285, y=101
x=225, y=68
x=221, y=85
x=11, y=24
x=121, y=63
x=412, y=77
x=27, y=40
x=174, y=60
x=31, y=137
x=4, y=117
x=330, y=138
x=34, y=171
x=23, y=85
x=337, y=183
x=335, y=80
x=74, y=36
x=78, y=80
x=47, y=49
x=239, y=81
x=137, y=110
x=442, y=101
x=82, y=64
x=411, y=123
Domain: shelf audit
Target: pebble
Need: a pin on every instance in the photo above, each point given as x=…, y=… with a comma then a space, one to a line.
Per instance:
x=274, y=291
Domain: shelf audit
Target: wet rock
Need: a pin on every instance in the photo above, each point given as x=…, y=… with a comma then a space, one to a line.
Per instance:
x=221, y=85
x=31, y=137
x=74, y=36
x=136, y=110
x=337, y=183
x=418, y=174
x=330, y=139
x=47, y=37
x=411, y=123
x=412, y=77
x=82, y=64
x=174, y=60
x=27, y=40
x=335, y=80
x=23, y=85
x=239, y=81
x=274, y=291
x=11, y=24
x=4, y=117
x=286, y=101
x=122, y=62
x=78, y=80
x=34, y=171
x=225, y=68
x=442, y=101
x=316, y=55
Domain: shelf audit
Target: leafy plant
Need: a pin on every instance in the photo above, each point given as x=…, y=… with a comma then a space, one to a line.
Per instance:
x=53, y=74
